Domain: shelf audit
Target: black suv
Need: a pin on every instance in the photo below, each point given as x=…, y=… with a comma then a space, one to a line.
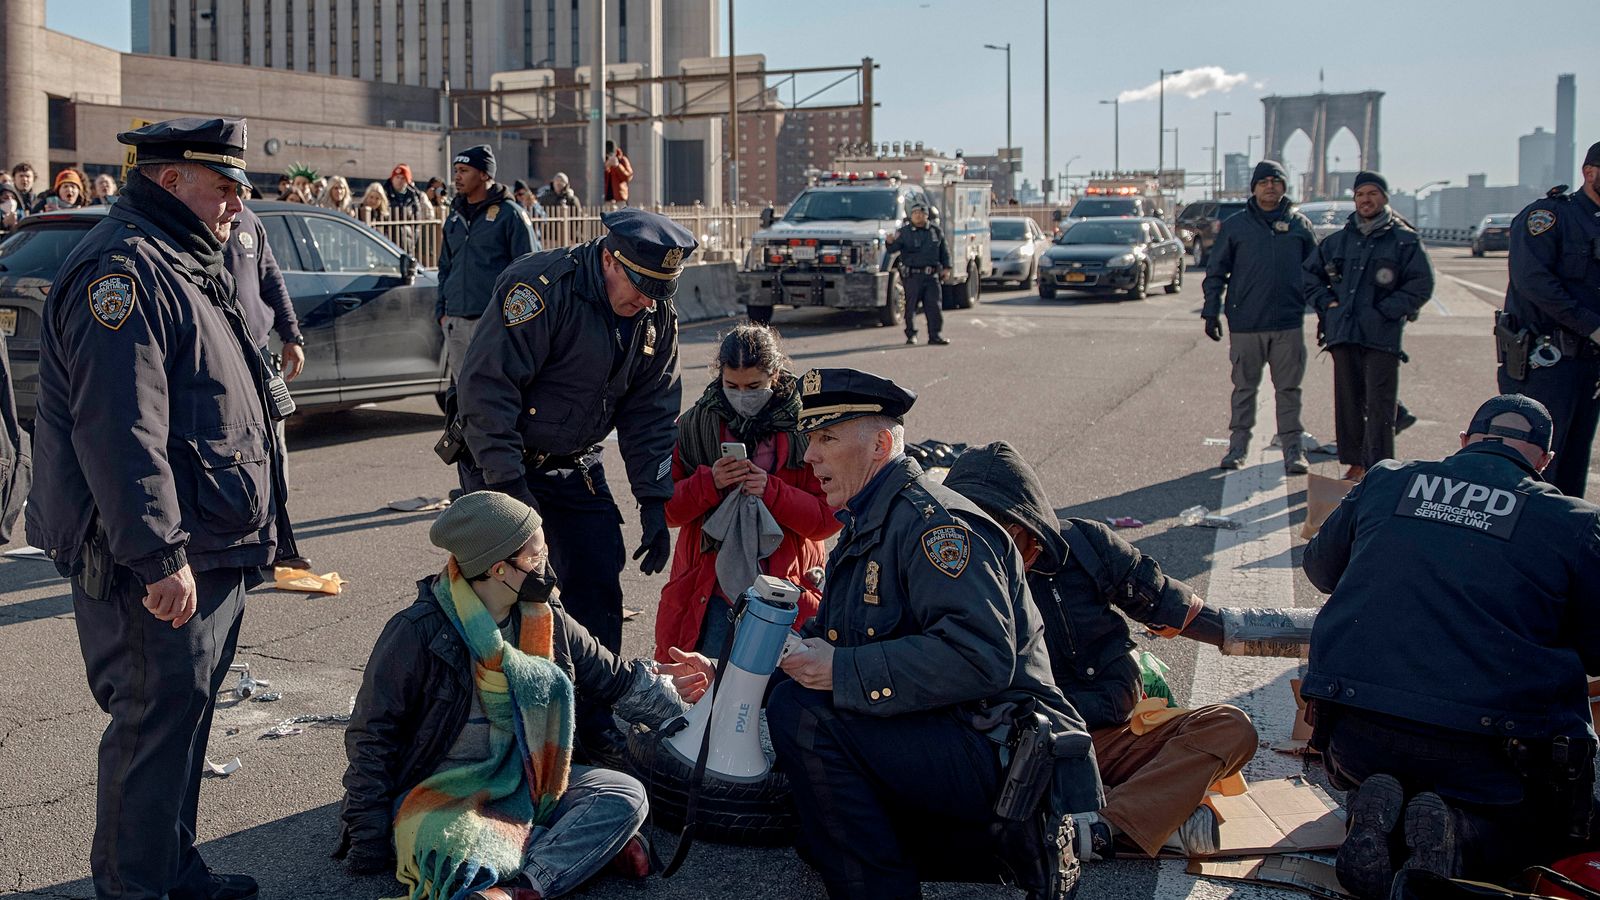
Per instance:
x=364, y=307
x=1199, y=222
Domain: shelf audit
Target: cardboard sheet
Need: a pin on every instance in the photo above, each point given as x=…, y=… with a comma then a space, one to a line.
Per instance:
x=1281, y=816
x=1309, y=872
x=1322, y=498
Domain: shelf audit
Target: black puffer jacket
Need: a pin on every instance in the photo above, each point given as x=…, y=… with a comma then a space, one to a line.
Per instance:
x=413, y=703
x=1085, y=569
x=1253, y=272
x=1365, y=286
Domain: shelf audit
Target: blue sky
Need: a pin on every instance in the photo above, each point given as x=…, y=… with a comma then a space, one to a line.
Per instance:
x=1462, y=78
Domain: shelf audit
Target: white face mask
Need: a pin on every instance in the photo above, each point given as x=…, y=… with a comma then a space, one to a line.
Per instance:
x=748, y=401
x=8, y=206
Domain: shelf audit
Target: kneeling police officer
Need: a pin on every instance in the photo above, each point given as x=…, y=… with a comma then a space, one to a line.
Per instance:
x=579, y=341
x=924, y=691
x=1447, y=670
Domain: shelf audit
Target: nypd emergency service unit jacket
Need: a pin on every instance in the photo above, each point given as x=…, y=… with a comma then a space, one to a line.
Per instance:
x=557, y=369
x=1463, y=597
x=1365, y=287
x=152, y=415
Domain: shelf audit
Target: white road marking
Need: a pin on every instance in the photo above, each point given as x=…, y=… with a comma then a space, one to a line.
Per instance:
x=1251, y=566
x=1443, y=310
x=1497, y=294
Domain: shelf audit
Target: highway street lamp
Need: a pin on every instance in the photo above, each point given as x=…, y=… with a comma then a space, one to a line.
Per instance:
x=1416, y=199
x=1066, y=175
x=1011, y=186
x=1116, y=132
x=1216, y=173
x=1161, y=120
x=1046, y=4
x=1249, y=142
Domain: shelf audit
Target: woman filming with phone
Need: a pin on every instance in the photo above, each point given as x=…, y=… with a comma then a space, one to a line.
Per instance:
x=740, y=440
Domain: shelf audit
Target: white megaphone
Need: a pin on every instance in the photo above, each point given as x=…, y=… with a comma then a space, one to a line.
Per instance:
x=732, y=706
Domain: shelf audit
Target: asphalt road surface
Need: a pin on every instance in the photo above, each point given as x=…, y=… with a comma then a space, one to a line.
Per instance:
x=1112, y=400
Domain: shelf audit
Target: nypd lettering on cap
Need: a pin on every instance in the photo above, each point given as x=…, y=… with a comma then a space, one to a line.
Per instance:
x=521, y=304
x=1436, y=498
x=112, y=298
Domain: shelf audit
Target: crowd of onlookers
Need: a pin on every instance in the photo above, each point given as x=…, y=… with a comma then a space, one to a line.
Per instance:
x=400, y=197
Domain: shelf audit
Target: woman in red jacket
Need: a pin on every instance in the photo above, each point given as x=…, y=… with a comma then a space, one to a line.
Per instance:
x=754, y=399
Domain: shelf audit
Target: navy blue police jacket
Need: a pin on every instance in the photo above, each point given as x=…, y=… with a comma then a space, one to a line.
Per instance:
x=479, y=242
x=263, y=296
x=927, y=607
x=921, y=247
x=1463, y=596
x=1365, y=287
x=1555, y=265
x=1253, y=272
x=152, y=416
x=555, y=370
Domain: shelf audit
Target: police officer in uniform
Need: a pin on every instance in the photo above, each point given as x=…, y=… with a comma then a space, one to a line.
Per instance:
x=924, y=265
x=926, y=658
x=1447, y=674
x=157, y=489
x=1546, y=336
x=584, y=339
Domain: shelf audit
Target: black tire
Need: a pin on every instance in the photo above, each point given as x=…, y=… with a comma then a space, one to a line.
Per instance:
x=1141, y=287
x=974, y=286
x=1047, y=291
x=1477, y=251
x=758, y=315
x=759, y=813
x=894, y=296
x=1177, y=280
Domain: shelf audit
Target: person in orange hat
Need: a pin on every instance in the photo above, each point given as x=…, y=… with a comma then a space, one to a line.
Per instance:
x=68, y=193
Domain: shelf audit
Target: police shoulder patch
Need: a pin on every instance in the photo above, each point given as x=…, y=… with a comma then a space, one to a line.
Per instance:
x=1540, y=221
x=948, y=547
x=112, y=298
x=522, y=303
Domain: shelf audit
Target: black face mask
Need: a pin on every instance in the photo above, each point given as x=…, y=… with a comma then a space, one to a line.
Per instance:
x=537, y=586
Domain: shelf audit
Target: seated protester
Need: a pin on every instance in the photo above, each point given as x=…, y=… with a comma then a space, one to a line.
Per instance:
x=1081, y=574
x=926, y=649
x=724, y=543
x=460, y=779
x=1447, y=684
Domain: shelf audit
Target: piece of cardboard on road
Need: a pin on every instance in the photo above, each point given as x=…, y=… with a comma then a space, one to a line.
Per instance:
x=1322, y=498
x=1312, y=873
x=1285, y=815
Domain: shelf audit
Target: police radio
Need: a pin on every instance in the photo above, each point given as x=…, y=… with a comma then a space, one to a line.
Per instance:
x=280, y=403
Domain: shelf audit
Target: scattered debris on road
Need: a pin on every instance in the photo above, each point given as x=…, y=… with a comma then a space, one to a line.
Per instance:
x=1205, y=518
x=268, y=697
x=1217, y=442
x=307, y=582
x=248, y=684
x=28, y=552
x=418, y=504
x=1123, y=522
x=221, y=770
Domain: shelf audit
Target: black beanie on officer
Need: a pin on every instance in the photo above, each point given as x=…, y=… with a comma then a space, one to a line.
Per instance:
x=1269, y=168
x=479, y=157
x=1372, y=178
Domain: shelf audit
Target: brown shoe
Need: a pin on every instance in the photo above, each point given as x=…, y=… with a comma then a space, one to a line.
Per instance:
x=632, y=861
x=1355, y=473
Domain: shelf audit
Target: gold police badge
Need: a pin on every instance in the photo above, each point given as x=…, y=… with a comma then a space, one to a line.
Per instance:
x=811, y=384
x=673, y=259
x=870, y=596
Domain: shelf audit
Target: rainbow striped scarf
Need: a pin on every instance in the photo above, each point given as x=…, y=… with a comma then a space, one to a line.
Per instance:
x=466, y=828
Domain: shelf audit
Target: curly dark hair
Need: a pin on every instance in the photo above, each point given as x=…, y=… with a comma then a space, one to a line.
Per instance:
x=750, y=345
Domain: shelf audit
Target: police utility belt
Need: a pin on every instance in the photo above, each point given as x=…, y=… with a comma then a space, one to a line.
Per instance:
x=920, y=270
x=1519, y=349
x=451, y=448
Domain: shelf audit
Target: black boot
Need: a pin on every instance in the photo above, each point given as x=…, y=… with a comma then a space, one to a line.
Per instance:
x=1365, y=863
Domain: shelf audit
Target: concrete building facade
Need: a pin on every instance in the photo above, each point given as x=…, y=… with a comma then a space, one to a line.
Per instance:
x=1536, y=160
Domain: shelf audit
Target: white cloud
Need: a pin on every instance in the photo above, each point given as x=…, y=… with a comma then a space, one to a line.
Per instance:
x=1190, y=83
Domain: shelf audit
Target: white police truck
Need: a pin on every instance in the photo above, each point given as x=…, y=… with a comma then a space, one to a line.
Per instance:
x=829, y=248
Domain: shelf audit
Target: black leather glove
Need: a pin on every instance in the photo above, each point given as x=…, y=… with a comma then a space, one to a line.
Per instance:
x=1214, y=328
x=655, y=542
x=517, y=489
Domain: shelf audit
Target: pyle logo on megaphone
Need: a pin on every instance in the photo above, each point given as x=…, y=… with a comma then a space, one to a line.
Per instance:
x=729, y=708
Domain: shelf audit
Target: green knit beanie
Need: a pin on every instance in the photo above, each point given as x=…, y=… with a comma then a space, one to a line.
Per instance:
x=483, y=528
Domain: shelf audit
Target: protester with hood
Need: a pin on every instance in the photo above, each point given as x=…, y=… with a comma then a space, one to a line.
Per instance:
x=12, y=209
x=1256, y=263
x=461, y=780
x=473, y=253
x=1156, y=763
x=1365, y=281
x=754, y=400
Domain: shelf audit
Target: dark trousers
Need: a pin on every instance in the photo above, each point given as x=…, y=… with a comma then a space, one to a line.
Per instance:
x=1366, y=389
x=924, y=291
x=1567, y=389
x=583, y=529
x=159, y=684
x=865, y=786
x=1503, y=823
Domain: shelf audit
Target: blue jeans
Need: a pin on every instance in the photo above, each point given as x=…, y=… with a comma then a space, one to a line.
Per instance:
x=600, y=811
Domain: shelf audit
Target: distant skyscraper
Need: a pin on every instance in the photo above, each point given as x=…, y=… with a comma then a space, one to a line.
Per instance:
x=1566, y=112
x=1536, y=160
x=1236, y=173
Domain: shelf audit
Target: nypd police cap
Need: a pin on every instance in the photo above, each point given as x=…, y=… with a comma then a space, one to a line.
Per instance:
x=217, y=144
x=1539, y=426
x=830, y=396
x=651, y=248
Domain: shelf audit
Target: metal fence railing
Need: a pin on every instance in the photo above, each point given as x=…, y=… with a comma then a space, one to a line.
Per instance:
x=1447, y=237
x=723, y=231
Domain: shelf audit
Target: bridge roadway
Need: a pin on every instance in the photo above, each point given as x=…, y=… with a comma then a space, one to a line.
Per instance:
x=1112, y=400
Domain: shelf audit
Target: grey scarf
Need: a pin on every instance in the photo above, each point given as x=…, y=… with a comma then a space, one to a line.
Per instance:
x=1374, y=224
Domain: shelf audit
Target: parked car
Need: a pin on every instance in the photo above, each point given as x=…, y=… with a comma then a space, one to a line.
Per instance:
x=1127, y=255
x=364, y=306
x=1493, y=233
x=1015, y=245
x=1198, y=224
x=1327, y=216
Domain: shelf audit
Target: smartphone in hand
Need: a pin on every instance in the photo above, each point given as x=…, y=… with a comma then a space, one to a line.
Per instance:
x=734, y=450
